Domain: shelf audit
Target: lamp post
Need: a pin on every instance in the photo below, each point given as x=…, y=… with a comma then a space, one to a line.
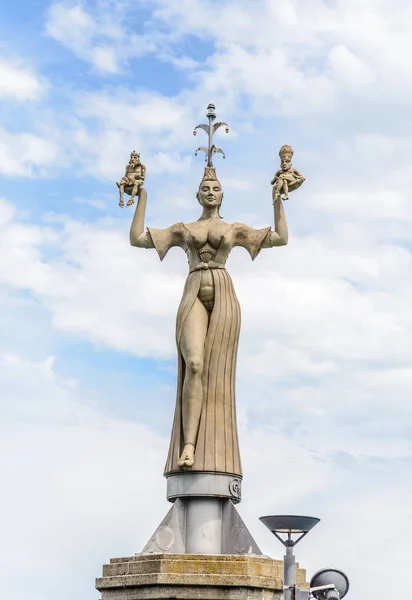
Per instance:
x=290, y=525
x=326, y=584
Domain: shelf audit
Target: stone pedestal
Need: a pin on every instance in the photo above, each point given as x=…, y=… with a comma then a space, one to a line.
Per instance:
x=194, y=576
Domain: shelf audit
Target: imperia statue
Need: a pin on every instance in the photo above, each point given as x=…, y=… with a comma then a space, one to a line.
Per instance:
x=204, y=434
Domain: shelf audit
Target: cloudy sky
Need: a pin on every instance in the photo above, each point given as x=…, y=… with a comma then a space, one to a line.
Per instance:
x=87, y=357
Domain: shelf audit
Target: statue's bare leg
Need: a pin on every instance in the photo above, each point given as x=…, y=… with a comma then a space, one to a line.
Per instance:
x=192, y=348
x=285, y=190
x=135, y=191
x=133, y=194
x=121, y=190
x=277, y=188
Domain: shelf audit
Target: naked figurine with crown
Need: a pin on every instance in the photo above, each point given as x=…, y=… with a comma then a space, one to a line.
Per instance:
x=287, y=179
x=133, y=179
x=204, y=434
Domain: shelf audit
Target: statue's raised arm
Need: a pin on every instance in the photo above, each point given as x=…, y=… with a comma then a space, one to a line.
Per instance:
x=204, y=434
x=138, y=237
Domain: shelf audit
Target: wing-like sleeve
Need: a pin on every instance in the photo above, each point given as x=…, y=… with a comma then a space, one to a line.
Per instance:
x=164, y=239
x=249, y=238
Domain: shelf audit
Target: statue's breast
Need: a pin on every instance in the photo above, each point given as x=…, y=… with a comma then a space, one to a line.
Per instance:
x=200, y=238
x=202, y=232
x=214, y=236
x=207, y=238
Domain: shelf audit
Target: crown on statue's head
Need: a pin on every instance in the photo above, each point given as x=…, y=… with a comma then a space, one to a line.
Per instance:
x=209, y=175
x=285, y=151
x=135, y=154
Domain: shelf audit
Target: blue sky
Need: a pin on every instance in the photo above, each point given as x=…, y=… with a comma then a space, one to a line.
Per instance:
x=87, y=357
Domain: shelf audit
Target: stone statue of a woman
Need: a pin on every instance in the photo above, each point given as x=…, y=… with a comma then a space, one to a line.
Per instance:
x=204, y=435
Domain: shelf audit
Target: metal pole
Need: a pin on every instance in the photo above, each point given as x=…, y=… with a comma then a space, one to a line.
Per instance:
x=289, y=574
x=211, y=117
x=203, y=525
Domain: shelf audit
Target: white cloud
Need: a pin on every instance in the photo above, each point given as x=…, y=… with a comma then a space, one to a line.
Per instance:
x=307, y=58
x=17, y=82
x=104, y=58
x=101, y=37
x=348, y=68
x=85, y=253
x=109, y=126
x=7, y=212
x=25, y=154
x=69, y=466
x=71, y=24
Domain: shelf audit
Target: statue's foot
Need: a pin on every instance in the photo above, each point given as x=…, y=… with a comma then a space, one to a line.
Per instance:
x=121, y=203
x=131, y=202
x=188, y=457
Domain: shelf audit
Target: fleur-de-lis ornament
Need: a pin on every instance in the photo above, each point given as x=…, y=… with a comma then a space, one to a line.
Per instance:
x=210, y=129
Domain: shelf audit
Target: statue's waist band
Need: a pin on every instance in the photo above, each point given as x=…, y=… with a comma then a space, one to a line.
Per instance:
x=209, y=265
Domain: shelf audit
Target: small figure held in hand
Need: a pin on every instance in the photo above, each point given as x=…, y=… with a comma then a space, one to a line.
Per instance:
x=287, y=179
x=133, y=179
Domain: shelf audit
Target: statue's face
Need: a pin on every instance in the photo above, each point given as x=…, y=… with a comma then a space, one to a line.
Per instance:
x=286, y=162
x=210, y=193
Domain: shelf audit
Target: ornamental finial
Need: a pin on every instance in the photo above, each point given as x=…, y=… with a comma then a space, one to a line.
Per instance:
x=210, y=129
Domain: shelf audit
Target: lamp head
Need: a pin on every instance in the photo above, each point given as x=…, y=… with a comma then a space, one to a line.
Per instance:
x=289, y=525
x=335, y=584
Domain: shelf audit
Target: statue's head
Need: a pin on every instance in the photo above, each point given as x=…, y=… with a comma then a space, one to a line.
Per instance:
x=286, y=153
x=134, y=158
x=210, y=191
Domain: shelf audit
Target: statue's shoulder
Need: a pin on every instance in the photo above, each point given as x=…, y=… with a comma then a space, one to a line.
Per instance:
x=249, y=237
x=245, y=234
x=241, y=228
x=174, y=229
x=189, y=225
x=241, y=233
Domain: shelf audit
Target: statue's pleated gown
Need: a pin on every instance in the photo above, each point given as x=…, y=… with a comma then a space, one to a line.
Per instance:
x=217, y=446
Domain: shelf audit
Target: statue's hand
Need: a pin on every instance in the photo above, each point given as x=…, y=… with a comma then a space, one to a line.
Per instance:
x=276, y=197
